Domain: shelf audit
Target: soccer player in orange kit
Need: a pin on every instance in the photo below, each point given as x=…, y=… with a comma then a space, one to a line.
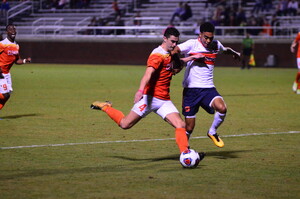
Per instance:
x=296, y=84
x=9, y=54
x=153, y=93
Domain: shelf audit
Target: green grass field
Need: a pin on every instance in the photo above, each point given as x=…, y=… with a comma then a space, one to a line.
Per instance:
x=49, y=109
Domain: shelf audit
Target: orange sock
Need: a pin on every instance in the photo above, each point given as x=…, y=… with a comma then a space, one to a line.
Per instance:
x=2, y=100
x=181, y=139
x=114, y=114
x=298, y=80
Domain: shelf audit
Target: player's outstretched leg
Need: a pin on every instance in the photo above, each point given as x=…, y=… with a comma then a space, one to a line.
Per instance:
x=101, y=105
x=106, y=107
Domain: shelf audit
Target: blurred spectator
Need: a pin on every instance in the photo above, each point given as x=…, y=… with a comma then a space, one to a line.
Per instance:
x=267, y=30
x=216, y=18
x=61, y=4
x=100, y=22
x=258, y=6
x=85, y=3
x=275, y=22
x=241, y=16
x=183, y=11
x=267, y=5
x=292, y=8
x=137, y=21
x=119, y=22
x=178, y=12
x=187, y=13
x=4, y=8
x=116, y=9
x=281, y=8
x=92, y=23
x=253, y=22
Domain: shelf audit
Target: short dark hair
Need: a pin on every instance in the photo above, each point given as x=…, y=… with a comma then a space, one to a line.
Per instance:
x=171, y=31
x=207, y=27
x=6, y=28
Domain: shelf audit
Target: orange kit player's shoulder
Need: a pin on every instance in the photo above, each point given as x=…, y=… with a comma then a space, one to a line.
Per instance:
x=157, y=57
x=2, y=46
x=298, y=37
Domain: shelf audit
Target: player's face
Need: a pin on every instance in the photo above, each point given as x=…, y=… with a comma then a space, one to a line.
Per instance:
x=171, y=42
x=11, y=33
x=206, y=38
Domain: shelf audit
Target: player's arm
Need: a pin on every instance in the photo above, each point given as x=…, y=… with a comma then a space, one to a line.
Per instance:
x=1, y=76
x=192, y=57
x=293, y=46
x=177, y=62
x=23, y=61
x=230, y=51
x=144, y=81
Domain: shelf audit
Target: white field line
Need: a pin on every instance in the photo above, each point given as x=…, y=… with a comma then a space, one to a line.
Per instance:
x=148, y=140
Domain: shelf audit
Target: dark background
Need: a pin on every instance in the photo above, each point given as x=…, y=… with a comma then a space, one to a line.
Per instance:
x=136, y=53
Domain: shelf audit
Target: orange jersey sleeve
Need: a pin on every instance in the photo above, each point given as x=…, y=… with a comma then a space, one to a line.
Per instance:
x=159, y=84
x=297, y=39
x=9, y=53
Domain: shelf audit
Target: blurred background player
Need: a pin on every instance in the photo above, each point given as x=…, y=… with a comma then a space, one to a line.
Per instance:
x=153, y=94
x=295, y=43
x=247, y=50
x=9, y=54
x=199, y=89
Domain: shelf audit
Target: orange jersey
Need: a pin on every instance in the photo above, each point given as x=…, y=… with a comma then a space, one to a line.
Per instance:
x=298, y=41
x=9, y=53
x=159, y=84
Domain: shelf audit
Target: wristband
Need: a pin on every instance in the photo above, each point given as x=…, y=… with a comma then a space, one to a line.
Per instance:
x=140, y=91
x=24, y=61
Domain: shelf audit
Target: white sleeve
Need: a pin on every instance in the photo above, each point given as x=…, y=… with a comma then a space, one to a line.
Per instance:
x=221, y=48
x=186, y=46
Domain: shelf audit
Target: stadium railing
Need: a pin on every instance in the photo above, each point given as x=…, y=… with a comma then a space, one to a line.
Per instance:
x=41, y=30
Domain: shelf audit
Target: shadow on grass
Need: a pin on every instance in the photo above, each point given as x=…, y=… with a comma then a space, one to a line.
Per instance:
x=252, y=94
x=226, y=154
x=216, y=154
x=110, y=168
x=19, y=116
x=171, y=157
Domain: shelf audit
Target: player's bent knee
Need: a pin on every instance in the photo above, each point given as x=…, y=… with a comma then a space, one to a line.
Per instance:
x=223, y=109
x=125, y=126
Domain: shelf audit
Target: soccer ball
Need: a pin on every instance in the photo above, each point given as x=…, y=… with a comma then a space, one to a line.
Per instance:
x=189, y=158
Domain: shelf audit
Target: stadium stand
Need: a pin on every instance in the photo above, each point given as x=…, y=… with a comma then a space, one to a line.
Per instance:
x=44, y=17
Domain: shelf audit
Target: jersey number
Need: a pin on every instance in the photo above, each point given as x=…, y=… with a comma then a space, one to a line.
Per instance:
x=142, y=107
x=4, y=86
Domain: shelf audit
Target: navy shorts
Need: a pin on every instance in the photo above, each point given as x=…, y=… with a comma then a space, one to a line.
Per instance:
x=193, y=98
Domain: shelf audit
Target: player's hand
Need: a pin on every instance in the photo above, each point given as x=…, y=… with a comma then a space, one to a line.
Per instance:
x=175, y=71
x=198, y=56
x=138, y=96
x=237, y=56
